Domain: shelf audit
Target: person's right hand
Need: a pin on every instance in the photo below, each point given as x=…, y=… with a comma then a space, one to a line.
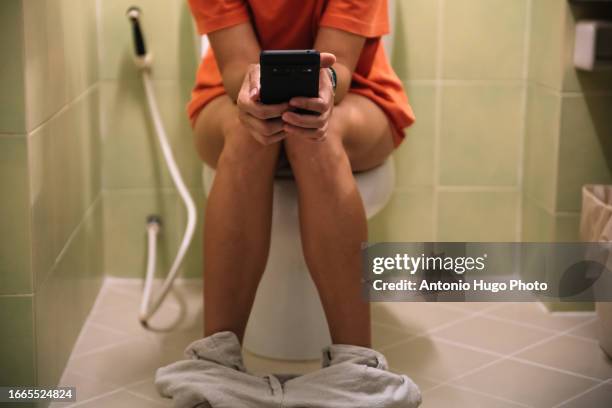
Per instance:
x=263, y=121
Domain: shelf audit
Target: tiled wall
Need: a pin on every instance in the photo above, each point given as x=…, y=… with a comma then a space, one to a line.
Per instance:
x=464, y=65
x=135, y=180
x=569, y=132
x=51, y=250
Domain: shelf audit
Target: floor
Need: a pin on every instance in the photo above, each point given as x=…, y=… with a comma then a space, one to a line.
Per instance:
x=461, y=355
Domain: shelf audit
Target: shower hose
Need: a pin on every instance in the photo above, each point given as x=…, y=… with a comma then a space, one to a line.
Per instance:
x=150, y=304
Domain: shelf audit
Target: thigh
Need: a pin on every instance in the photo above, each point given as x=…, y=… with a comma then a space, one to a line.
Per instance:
x=365, y=131
x=211, y=126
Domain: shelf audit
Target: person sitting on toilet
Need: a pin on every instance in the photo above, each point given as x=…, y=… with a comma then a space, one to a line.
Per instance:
x=360, y=122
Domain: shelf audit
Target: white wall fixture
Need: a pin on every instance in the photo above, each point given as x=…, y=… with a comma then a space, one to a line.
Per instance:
x=593, y=45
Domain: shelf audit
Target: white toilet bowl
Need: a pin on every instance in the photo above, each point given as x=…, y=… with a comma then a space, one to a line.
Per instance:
x=287, y=321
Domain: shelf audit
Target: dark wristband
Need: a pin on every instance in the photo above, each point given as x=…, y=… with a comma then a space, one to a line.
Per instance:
x=333, y=77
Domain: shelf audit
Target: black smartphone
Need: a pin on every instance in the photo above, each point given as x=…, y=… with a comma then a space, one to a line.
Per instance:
x=289, y=73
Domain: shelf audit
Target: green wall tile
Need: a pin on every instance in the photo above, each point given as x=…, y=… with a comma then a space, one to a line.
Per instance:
x=585, y=151
x=79, y=22
x=541, y=141
x=125, y=237
x=93, y=226
x=12, y=105
x=480, y=135
x=477, y=216
x=537, y=222
x=17, y=341
x=48, y=326
x=56, y=49
x=45, y=201
x=484, y=39
x=567, y=228
x=539, y=225
x=131, y=154
x=407, y=218
x=60, y=43
x=169, y=34
x=415, y=39
x=414, y=159
x=40, y=102
x=15, y=244
x=547, y=45
x=65, y=177
x=64, y=300
x=575, y=80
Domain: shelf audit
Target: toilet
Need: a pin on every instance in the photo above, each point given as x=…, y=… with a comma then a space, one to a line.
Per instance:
x=287, y=321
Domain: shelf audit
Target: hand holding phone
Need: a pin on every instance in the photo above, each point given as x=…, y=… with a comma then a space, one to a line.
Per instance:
x=263, y=122
x=302, y=78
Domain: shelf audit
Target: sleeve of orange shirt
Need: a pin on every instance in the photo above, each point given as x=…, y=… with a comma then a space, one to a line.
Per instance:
x=368, y=18
x=213, y=15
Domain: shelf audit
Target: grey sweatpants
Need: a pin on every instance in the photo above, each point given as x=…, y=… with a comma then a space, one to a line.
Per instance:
x=215, y=376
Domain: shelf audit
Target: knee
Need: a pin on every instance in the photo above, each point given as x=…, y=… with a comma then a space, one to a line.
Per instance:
x=320, y=159
x=241, y=150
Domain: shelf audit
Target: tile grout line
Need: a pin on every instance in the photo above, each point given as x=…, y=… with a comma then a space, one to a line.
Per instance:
x=560, y=370
x=438, y=115
x=145, y=397
x=524, y=114
x=97, y=397
x=467, y=346
x=88, y=212
x=465, y=82
x=575, y=397
x=511, y=355
x=429, y=332
x=570, y=94
x=13, y=136
x=68, y=105
x=528, y=325
x=550, y=211
x=478, y=392
x=460, y=189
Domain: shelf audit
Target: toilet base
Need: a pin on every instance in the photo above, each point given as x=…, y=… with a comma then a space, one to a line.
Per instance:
x=287, y=321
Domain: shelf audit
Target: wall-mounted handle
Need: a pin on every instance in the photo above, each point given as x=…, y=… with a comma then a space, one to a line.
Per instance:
x=140, y=47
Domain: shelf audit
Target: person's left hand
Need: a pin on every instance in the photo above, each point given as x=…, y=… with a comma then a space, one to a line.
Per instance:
x=313, y=127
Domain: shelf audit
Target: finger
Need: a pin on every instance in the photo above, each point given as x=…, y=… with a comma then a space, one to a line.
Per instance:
x=313, y=104
x=313, y=134
x=327, y=59
x=325, y=85
x=276, y=138
x=305, y=121
x=262, y=111
x=265, y=127
x=254, y=78
x=268, y=140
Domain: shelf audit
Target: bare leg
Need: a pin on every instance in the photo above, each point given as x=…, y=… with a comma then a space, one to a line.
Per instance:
x=332, y=218
x=238, y=216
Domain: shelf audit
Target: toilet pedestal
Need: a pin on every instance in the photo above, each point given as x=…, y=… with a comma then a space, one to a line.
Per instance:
x=287, y=321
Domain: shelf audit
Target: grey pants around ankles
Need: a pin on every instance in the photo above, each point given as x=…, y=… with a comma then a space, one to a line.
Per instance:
x=214, y=376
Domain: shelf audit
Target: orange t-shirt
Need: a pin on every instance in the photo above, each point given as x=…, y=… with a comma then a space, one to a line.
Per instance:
x=287, y=24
